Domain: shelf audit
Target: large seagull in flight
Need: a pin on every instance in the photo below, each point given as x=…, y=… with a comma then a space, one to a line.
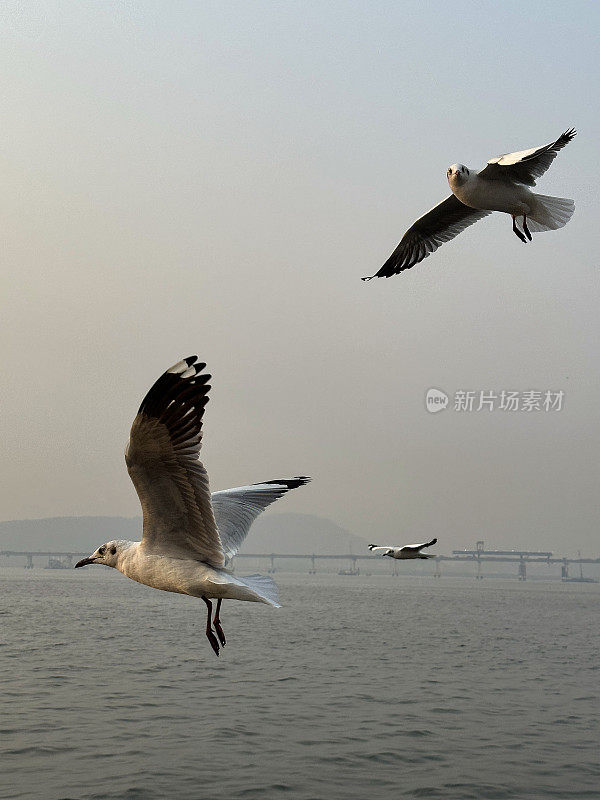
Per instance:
x=500, y=186
x=189, y=535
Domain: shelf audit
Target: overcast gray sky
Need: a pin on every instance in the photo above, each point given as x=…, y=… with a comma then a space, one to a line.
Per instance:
x=215, y=177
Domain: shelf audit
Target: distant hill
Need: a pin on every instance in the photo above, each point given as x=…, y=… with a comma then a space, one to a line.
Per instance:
x=301, y=533
x=271, y=533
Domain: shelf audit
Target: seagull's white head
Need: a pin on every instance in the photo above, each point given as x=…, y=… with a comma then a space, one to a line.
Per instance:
x=108, y=554
x=457, y=174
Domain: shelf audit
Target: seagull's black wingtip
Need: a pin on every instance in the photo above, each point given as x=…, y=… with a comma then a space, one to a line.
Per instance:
x=568, y=135
x=294, y=483
x=368, y=278
x=289, y=483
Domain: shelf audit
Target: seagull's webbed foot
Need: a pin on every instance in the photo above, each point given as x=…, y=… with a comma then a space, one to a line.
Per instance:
x=209, y=631
x=517, y=231
x=217, y=624
x=526, y=229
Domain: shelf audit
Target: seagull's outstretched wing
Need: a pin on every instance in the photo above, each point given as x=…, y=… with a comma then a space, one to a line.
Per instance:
x=526, y=165
x=374, y=547
x=162, y=461
x=442, y=223
x=236, y=509
x=414, y=548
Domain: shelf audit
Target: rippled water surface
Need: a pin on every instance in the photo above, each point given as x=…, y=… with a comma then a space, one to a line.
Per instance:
x=359, y=687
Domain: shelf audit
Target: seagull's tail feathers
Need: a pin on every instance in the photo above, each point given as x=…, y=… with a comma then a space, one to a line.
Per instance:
x=264, y=588
x=549, y=213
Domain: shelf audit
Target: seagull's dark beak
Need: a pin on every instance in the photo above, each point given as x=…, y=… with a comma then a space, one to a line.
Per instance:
x=84, y=561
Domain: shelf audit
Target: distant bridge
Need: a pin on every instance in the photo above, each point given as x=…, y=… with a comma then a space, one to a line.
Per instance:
x=65, y=559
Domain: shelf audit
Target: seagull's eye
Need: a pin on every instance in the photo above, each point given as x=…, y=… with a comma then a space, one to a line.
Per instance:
x=101, y=551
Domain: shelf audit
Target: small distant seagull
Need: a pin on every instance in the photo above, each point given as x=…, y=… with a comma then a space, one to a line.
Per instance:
x=408, y=551
x=189, y=534
x=500, y=186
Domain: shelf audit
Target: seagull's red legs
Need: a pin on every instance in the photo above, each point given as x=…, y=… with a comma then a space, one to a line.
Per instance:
x=209, y=631
x=217, y=624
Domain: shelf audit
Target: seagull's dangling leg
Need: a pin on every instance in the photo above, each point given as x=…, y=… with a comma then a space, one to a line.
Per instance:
x=217, y=624
x=209, y=631
x=526, y=229
x=517, y=231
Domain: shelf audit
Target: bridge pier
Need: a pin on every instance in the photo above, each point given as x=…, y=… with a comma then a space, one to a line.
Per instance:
x=29, y=561
x=437, y=573
x=312, y=570
x=522, y=570
x=271, y=569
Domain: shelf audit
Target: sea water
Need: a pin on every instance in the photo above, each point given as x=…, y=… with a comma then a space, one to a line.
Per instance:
x=359, y=687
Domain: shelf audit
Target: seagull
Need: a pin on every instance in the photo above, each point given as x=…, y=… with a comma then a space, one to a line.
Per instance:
x=189, y=535
x=500, y=186
x=408, y=551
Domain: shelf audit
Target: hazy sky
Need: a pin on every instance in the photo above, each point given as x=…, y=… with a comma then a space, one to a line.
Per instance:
x=215, y=177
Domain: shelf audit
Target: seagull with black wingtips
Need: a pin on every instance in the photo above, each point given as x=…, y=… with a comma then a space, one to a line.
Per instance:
x=189, y=535
x=405, y=552
x=502, y=185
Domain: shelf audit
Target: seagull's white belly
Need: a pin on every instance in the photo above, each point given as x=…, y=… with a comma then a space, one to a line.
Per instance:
x=184, y=576
x=495, y=196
